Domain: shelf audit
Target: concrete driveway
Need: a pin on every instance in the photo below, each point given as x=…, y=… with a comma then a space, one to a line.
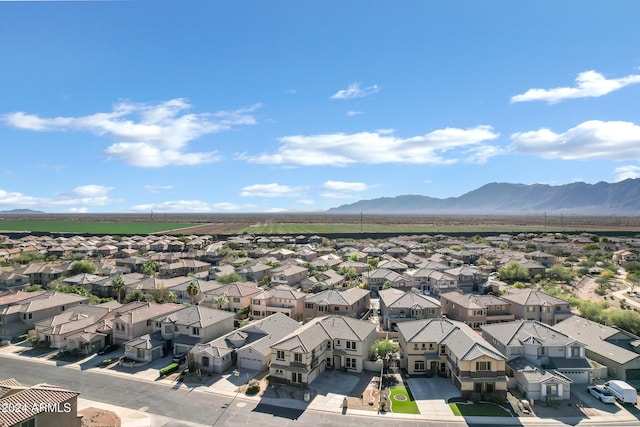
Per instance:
x=431, y=395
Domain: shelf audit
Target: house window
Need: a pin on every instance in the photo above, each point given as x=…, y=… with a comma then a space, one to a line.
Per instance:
x=350, y=363
x=552, y=389
x=336, y=308
x=443, y=349
x=328, y=345
x=308, y=305
x=531, y=309
x=351, y=345
x=415, y=346
x=490, y=387
x=205, y=361
x=575, y=351
x=297, y=357
x=280, y=355
x=279, y=371
x=483, y=366
x=236, y=299
x=62, y=308
x=158, y=325
x=338, y=343
x=419, y=366
x=296, y=377
x=541, y=351
x=195, y=331
x=255, y=301
x=477, y=387
x=256, y=313
x=140, y=353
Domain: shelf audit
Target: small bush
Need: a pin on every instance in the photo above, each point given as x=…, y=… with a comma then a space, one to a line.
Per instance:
x=169, y=369
x=106, y=362
x=253, y=388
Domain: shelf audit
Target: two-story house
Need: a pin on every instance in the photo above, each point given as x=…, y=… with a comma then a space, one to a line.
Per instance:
x=476, y=310
x=451, y=349
x=431, y=280
x=289, y=275
x=237, y=296
x=375, y=279
x=398, y=306
x=467, y=278
x=248, y=347
x=184, y=267
x=533, y=347
x=537, y=305
x=279, y=299
x=18, y=319
x=352, y=302
x=136, y=319
x=330, y=342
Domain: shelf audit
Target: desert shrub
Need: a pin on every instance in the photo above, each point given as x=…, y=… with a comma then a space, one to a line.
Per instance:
x=253, y=388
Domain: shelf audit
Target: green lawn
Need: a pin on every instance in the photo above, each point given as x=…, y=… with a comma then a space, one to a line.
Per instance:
x=479, y=410
x=90, y=227
x=407, y=406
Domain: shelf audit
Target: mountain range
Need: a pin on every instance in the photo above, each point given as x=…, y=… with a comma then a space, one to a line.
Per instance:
x=579, y=198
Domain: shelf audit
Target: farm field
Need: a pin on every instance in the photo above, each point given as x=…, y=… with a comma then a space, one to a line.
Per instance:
x=309, y=223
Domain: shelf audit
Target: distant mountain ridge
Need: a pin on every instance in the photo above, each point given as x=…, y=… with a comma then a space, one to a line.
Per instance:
x=620, y=198
x=20, y=211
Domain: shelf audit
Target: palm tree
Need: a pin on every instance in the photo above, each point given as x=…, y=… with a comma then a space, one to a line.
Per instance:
x=220, y=301
x=118, y=285
x=193, y=289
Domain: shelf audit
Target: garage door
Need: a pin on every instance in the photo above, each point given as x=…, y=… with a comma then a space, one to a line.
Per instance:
x=249, y=363
x=578, y=377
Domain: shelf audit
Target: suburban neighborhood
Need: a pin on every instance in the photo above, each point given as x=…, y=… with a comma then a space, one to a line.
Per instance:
x=513, y=325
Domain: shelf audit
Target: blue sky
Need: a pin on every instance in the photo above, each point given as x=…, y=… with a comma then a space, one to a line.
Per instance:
x=258, y=106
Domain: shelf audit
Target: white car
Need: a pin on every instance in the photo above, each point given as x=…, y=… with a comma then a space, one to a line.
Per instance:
x=524, y=406
x=601, y=394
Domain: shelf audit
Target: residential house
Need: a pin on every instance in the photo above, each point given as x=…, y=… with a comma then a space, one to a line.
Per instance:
x=136, y=319
x=352, y=302
x=431, y=280
x=79, y=328
x=328, y=279
x=39, y=399
x=375, y=280
x=183, y=267
x=279, y=299
x=530, y=343
x=254, y=272
x=238, y=296
x=398, y=306
x=612, y=347
x=547, y=260
x=468, y=278
x=43, y=274
x=451, y=349
x=20, y=318
x=537, y=305
x=194, y=324
x=289, y=275
x=330, y=342
x=476, y=310
x=248, y=347
x=623, y=256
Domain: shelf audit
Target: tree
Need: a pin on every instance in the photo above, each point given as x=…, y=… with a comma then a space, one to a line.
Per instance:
x=118, y=285
x=382, y=348
x=136, y=295
x=163, y=295
x=513, y=272
x=354, y=257
x=193, y=289
x=349, y=273
x=221, y=301
x=229, y=278
x=150, y=268
x=80, y=267
x=387, y=284
x=561, y=274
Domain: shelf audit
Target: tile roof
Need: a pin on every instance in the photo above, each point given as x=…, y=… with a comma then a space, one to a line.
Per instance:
x=519, y=332
x=196, y=316
x=335, y=297
x=35, y=399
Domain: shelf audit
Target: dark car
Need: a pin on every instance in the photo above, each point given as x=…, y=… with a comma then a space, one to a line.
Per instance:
x=179, y=358
x=108, y=349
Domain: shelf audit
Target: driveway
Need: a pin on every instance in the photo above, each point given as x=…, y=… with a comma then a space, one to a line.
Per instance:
x=432, y=394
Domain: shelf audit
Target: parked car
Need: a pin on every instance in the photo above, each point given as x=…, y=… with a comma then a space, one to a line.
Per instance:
x=601, y=394
x=524, y=406
x=107, y=349
x=624, y=392
x=179, y=358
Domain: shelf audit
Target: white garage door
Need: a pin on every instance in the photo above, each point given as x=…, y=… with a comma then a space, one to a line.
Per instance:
x=578, y=377
x=249, y=363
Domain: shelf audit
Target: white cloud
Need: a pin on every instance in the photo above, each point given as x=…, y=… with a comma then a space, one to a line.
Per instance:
x=355, y=91
x=481, y=153
x=77, y=200
x=185, y=206
x=146, y=135
x=626, y=172
x=340, y=149
x=271, y=190
x=353, y=113
x=345, y=186
x=589, y=140
x=306, y=202
x=588, y=84
x=157, y=188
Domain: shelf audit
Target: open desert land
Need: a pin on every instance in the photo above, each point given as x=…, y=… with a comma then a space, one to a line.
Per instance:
x=310, y=223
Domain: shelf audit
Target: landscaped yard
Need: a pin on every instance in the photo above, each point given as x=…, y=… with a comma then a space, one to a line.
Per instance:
x=402, y=401
x=479, y=410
